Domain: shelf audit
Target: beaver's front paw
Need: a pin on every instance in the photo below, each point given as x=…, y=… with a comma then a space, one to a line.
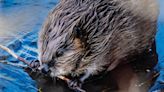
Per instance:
x=73, y=84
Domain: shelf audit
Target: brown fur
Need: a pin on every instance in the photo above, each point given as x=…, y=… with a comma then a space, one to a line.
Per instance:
x=96, y=33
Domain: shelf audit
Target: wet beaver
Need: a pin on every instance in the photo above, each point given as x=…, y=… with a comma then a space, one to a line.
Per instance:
x=90, y=36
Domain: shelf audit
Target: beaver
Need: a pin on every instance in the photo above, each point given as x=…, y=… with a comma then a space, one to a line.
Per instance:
x=86, y=37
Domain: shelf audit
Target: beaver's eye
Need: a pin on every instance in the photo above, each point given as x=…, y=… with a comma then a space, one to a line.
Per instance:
x=59, y=53
x=51, y=63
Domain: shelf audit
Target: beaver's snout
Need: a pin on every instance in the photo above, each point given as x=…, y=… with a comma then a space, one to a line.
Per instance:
x=44, y=68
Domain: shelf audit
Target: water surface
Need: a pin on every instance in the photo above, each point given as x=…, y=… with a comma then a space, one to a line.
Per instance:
x=18, y=19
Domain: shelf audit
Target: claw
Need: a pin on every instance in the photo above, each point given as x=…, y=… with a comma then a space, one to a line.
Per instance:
x=74, y=84
x=34, y=64
x=76, y=89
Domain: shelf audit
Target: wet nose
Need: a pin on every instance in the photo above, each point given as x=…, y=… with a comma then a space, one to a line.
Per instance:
x=46, y=67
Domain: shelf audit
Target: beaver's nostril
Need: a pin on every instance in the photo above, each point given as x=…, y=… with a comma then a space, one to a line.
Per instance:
x=45, y=69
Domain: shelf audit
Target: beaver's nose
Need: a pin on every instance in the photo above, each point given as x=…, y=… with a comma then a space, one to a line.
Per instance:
x=46, y=67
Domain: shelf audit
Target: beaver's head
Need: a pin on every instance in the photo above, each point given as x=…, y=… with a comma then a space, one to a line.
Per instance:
x=61, y=51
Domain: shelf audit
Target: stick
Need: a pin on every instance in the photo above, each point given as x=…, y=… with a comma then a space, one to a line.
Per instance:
x=15, y=55
x=14, y=64
x=68, y=80
x=9, y=51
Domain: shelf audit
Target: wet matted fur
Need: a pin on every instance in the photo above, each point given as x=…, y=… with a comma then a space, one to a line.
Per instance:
x=88, y=36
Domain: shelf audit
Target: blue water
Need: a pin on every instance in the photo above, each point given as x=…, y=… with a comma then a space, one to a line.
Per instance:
x=160, y=49
x=20, y=21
